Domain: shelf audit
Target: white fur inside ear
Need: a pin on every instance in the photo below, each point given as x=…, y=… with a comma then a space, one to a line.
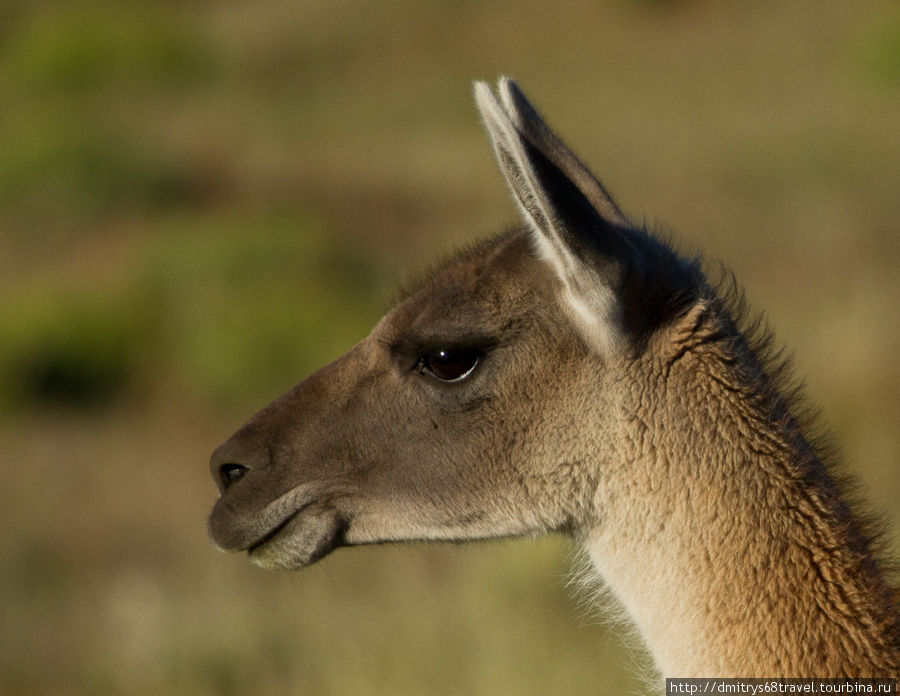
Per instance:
x=599, y=319
x=591, y=304
x=588, y=300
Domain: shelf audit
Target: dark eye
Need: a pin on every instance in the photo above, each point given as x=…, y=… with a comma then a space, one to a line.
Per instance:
x=450, y=365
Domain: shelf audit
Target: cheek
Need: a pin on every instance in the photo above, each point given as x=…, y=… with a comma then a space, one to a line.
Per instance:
x=443, y=468
x=408, y=445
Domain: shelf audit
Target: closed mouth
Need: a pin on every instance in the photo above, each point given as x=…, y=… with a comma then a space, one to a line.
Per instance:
x=302, y=538
x=276, y=530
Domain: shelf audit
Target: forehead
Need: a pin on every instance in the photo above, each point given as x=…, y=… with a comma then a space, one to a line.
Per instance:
x=480, y=287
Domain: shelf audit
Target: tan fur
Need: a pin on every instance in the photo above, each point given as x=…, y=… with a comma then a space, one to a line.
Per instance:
x=746, y=570
x=614, y=399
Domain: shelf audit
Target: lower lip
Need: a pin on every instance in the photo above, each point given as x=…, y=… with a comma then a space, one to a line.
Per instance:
x=275, y=531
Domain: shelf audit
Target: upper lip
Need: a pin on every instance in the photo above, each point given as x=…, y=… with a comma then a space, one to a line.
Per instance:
x=234, y=527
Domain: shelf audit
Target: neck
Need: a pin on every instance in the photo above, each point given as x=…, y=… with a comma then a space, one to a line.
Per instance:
x=740, y=559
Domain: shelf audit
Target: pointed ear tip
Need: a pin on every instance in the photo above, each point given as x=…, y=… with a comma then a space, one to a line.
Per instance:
x=502, y=82
x=479, y=87
x=506, y=83
x=485, y=99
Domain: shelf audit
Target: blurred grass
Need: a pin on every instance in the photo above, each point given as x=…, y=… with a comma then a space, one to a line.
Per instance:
x=200, y=203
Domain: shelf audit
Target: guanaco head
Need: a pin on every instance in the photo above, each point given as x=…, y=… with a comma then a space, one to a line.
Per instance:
x=487, y=401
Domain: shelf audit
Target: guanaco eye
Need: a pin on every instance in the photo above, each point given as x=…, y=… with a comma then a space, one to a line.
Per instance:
x=450, y=365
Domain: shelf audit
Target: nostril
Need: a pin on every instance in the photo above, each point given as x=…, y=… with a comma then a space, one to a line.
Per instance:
x=231, y=473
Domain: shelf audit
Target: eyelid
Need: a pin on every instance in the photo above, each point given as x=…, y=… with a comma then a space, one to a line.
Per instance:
x=413, y=346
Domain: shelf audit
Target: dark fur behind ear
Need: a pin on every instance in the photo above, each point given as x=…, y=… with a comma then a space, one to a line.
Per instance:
x=658, y=287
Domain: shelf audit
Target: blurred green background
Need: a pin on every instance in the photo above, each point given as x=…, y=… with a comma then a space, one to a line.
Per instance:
x=202, y=202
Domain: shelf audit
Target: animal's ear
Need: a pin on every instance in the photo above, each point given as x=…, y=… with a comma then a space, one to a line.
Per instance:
x=578, y=228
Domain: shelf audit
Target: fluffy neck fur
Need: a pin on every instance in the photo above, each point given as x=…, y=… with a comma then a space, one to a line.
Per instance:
x=725, y=537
